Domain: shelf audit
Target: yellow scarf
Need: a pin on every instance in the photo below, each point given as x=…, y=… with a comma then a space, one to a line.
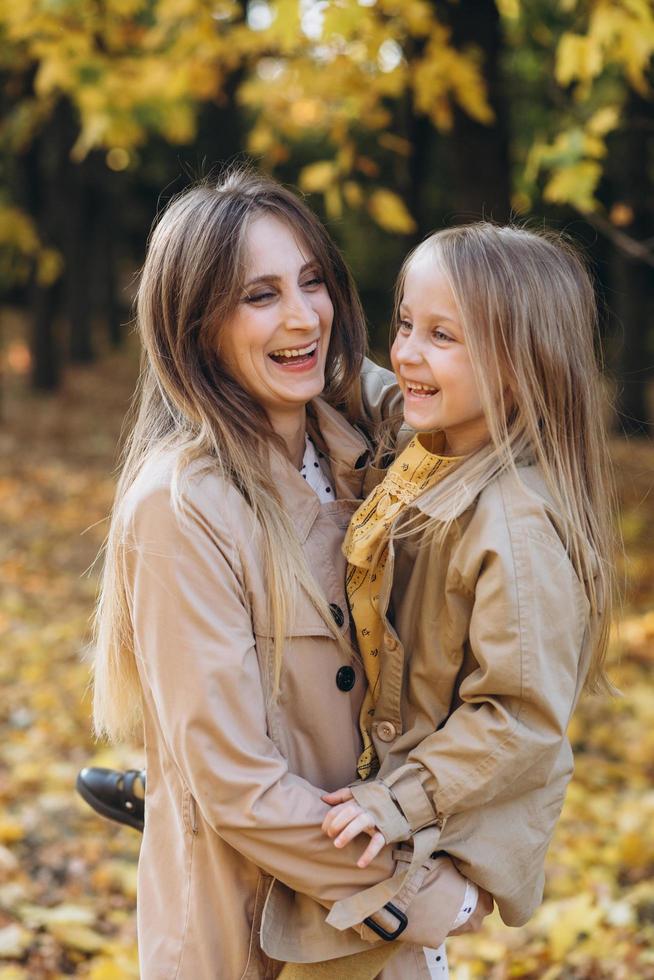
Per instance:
x=366, y=549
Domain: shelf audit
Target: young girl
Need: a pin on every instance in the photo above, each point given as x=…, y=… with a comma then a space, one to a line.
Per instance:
x=479, y=573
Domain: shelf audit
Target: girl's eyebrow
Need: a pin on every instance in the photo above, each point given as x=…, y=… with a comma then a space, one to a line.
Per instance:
x=271, y=277
x=434, y=316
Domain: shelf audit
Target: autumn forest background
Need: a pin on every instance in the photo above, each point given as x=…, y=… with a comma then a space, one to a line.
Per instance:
x=394, y=117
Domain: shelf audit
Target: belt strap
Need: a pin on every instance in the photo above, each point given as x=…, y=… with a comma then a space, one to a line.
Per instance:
x=399, y=889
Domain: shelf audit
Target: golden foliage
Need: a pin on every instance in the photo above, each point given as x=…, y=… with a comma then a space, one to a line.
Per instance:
x=390, y=213
x=67, y=878
x=334, y=71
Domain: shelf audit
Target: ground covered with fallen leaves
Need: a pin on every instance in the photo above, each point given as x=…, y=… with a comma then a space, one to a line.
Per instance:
x=67, y=878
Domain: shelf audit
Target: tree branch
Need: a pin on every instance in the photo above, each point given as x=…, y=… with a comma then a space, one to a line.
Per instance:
x=630, y=246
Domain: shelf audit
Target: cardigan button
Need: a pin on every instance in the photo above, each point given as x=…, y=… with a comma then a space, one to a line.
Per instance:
x=390, y=642
x=345, y=678
x=386, y=731
x=337, y=613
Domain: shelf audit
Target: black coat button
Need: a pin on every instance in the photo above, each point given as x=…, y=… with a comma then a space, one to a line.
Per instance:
x=337, y=613
x=345, y=678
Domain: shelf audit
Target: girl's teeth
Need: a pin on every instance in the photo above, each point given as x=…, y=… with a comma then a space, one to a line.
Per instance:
x=430, y=391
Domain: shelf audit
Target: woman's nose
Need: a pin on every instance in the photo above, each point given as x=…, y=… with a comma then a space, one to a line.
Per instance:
x=300, y=312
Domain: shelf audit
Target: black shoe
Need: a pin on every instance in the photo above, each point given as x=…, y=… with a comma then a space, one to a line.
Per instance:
x=110, y=792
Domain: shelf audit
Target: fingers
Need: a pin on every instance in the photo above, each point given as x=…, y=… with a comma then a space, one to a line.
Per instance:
x=339, y=817
x=377, y=842
x=359, y=825
x=338, y=796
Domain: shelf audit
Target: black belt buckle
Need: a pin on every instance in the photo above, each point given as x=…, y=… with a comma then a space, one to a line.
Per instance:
x=384, y=933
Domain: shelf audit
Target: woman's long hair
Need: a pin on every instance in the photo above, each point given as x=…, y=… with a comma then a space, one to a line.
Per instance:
x=186, y=401
x=527, y=308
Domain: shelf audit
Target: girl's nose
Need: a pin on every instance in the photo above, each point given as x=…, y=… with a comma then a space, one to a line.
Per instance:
x=409, y=351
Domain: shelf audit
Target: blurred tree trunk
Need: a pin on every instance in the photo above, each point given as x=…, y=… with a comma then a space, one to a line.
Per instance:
x=480, y=175
x=104, y=211
x=39, y=189
x=632, y=281
x=77, y=246
x=474, y=156
x=45, y=355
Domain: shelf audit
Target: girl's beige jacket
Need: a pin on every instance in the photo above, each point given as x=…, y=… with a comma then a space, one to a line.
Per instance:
x=233, y=857
x=487, y=643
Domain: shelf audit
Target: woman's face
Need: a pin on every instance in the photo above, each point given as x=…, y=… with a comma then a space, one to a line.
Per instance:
x=275, y=343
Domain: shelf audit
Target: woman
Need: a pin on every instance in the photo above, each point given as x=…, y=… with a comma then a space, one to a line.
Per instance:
x=223, y=618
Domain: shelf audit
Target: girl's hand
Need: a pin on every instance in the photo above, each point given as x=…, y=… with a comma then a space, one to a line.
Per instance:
x=346, y=820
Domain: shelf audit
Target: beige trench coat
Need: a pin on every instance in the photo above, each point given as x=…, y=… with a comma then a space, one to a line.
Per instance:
x=496, y=625
x=234, y=782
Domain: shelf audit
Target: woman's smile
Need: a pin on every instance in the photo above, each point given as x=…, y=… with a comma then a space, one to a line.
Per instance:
x=296, y=358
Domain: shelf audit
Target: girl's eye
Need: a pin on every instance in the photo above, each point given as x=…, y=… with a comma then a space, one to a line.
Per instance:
x=441, y=336
x=404, y=327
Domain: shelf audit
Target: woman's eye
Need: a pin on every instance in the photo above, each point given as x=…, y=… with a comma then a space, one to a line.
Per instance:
x=313, y=283
x=404, y=327
x=259, y=297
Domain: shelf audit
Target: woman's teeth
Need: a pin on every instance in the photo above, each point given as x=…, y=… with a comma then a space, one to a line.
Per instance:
x=285, y=354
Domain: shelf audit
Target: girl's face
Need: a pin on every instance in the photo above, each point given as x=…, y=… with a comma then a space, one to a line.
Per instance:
x=432, y=364
x=275, y=343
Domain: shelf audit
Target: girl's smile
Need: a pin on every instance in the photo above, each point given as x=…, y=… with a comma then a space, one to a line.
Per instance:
x=432, y=363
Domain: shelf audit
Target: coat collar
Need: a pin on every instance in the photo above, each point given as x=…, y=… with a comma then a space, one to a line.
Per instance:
x=348, y=453
x=526, y=476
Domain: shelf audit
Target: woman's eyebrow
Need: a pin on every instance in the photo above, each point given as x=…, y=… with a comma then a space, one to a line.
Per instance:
x=272, y=277
x=257, y=279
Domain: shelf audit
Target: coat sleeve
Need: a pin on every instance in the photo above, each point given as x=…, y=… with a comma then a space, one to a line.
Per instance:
x=380, y=394
x=198, y=665
x=528, y=619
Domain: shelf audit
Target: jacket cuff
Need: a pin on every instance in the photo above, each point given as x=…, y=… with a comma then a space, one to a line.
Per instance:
x=398, y=804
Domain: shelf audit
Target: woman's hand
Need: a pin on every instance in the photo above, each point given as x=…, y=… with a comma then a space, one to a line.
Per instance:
x=346, y=820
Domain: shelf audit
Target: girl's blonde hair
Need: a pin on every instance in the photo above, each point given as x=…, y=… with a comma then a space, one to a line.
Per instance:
x=529, y=316
x=186, y=401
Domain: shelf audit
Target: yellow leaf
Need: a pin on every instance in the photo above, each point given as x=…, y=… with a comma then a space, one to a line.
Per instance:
x=353, y=194
x=398, y=144
x=77, y=936
x=333, y=202
x=10, y=831
x=14, y=941
x=564, y=921
x=13, y=973
x=317, y=177
x=49, y=266
x=574, y=185
x=578, y=57
x=604, y=120
x=65, y=914
x=17, y=230
x=116, y=963
x=390, y=212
